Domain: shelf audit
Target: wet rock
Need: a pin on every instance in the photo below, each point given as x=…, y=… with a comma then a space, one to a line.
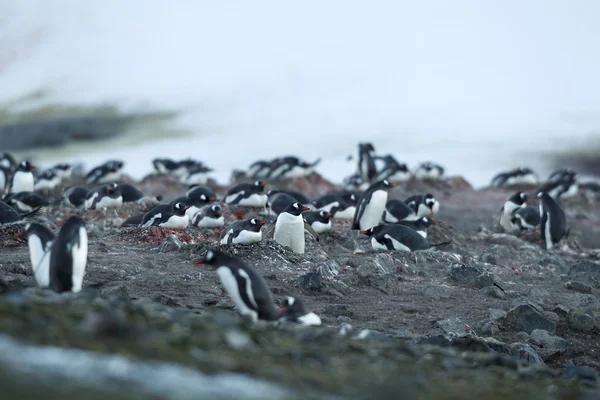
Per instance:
x=587, y=272
x=540, y=295
x=581, y=319
x=470, y=276
x=555, y=265
x=312, y=281
x=337, y=310
x=544, y=339
x=527, y=318
x=172, y=243
x=522, y=336
x=343, y=319
x=526, y=353
x=238, y=340
x=579, y=287
x=561, y=311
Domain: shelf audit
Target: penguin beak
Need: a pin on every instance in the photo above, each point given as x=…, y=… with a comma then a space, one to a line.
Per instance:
x=305, y=209
x=262, y=222
x=393, y=185
x=364, y=232
x=186, y=208
x=32, y=166
x=212, y=198
x=435, y=221
x=199, y=262
x=19, y=235
x=526, y=203
x=329, y=215
x=281, y=310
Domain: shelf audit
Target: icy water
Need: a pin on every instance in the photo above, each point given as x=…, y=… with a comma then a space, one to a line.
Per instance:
x=476, y=86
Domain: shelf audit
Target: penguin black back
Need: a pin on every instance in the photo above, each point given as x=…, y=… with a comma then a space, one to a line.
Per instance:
x=69, y=256
x=553, y=222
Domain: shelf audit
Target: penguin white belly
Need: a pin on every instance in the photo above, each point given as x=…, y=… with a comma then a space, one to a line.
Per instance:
x=529, y=179
x=226, y=237
x=150, y=221
x=310, y=319
x=547, y=233
x=247, y=237
x=377, y=246
x=572, y=191
x=423, y=233
x=289, y=232
x=397, y=245
x=296, y=172
x=199, y=178
x=2, y=180
x=230, y=284
x=254, y=200
x=399, y=176
x=423, y=211
x=506, y=223
x=109, y=202
x=22, y=207
x=79, y=254
x=320, y=227
x=374, y=210
x=328, y=207
x=176, y=222
x=22, y=182
x=388, y=217
x=348, y=213
x=90, y=201
x=40, y=260
x=435, y=209
x=191, y=212
x=207, y=222
x=46, y=184
x=110, y=177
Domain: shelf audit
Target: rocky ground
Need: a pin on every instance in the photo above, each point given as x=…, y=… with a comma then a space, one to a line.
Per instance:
x=489, y=316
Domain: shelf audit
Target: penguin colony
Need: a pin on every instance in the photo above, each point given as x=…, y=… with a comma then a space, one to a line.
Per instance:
x=59, y=259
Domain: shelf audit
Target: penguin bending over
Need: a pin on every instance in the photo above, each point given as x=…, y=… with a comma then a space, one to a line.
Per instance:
x=397, y=210
x=553, y=223
x=26, y=202
x=424, y=205
x=68, y=256
x=526, y=218
x=514, y=202
x=294, y=310
x=320, y=221
x=371, y=205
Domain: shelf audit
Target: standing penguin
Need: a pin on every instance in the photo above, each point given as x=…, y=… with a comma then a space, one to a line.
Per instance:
x=243, y=232
x=509, y=208
x=366, y=162
x=7, y=161
x=22, y=180
x=246, y=287
x=289, y=227
x=247, y=195
x=105, y=196
x=294, y=310
x=209, y=216
x=371, y=205
x=424, y=205
x=553, y=223
x=68, y=256
x=170, y=216
x=392, y=170
x=39, y=241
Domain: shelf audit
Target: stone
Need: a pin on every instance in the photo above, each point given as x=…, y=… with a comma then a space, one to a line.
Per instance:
x=171, y=243
x=470, y=276
x=546, y=340
x=438, y=292
x=119, y=291
x=581, y=319
x=343, y=319
x=238, y=340
x=454, y=326
x=526, y=353
x=522, y=336
x=527, y=318
x=561, y=311
x=540, y=295
x=166, y=300
x=579, y=287
x=311, y=281
x=581, y=372
x=586, y=272
x=104, y=323
x=591, y=302
x=494, y=292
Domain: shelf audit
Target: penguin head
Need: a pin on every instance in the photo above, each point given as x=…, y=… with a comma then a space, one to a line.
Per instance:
x=216, y=209
x=429, y=200
x=518, y=198
x=212, y=257
x=180, y=208
x=26, y=166
x=48, y=175
x=325, y=216
x=112, y=190
x=387, y=184
x=292, y=308
x=254, y=224
x=542, y=195
x=425, y=222
x=295, y=209
x=367, y=147
x=63, y=167
x=259, y=186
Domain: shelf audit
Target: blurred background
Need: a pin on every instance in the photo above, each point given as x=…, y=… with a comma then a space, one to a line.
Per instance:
x=475, y=86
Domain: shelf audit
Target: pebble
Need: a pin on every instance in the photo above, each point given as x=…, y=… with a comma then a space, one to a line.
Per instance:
x=581, y=319
x=470, y=276
x=544, y=339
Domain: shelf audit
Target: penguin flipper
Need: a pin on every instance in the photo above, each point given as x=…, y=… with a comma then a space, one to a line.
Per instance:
x=269, y=229
x=310, y=230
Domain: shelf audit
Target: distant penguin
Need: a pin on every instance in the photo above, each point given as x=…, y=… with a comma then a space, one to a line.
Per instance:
x=39, y=241
x=355, y=182
x=341, y=206
x=246, y=287
x=320, y=221
x=197, y=175
x=420, y=225
x=292, y=168
x=48, y=180
x=553, y=223
x=247, y=195
x=424, y=205
x=5, y=174
x=526, y=218
x=561, y=184
x=397, y=210
x=366, y=168
x=168, y=167
x=68, y=256
x=104, y=196
x=429, y=170
x=10, y=215
x=289, y=227
x=108, y=172
x=300, y=197
x=63, y=171
x=371, y=205
x=22, y=179
x=392, y=170
x=75, y=196
x=517, y=176
x=130, y=193
x=397, y=237
x=243, y=232
x=26, y=202
x=509, y=208
x=294, y=310
x=279, y=201
x=259, y=169
x=203, y=193
x=8, y=161
x=167, y=216
x=209, y=216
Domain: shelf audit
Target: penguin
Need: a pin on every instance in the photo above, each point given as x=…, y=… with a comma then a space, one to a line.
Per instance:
x=562, y=184
x=247, y=195
x=279, y=201
x=518, y=176
x=341, y=206
x=553, y=223
x=509, y=208
x=420, y=225
x=130, y=193
x=194, y=205
x=22, y=179
x=300, y=198
x=526, y=218
x=289, y=227
x=5, y=174
x=209, y=216
x=246, y=287
x=293, y=309
x=172, y=216
x=26, y=202
x=429, y=170
x=9, y=215
x=259, y=169
x=110, y=171
x=424, y=205
x=8, y=161
x=355, y=182
x=197, y=175
x=242, y=232
x=63, y=171
x=561, y=174
x=397, y=210
x=134, y=221
x=366, y=168
x=39, y=241
x=75, y=196
x=291, y=168
x=104, y=196
x=203, y=193
x=165, y=166
x=320, y=221
x=397, y=237
x=392, y=170
x=372, y=205
x=48, y=180
x=68, y=256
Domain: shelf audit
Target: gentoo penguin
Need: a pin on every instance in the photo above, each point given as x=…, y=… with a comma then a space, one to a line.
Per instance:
x=104, y=196
x=26, y=202
x=292, y=168
x=526, y=218
x=279, y=201
x=366, y=168
x=294, y=310
x=243, y=232
x=320, y=221
x=424, y=205
x=5, y=174
x=63, y=170
x=259, y=169
x=134, y=221
x=392, y=170
x=355, y=182
x=553, y=223
x=517, y=176
x=167, y=216
x=68, y=256
x=39, y=241
x=429, y=170
x=420, y=225
x=397, y=237
x=341, y=206
x=509, y=208
x=247, y=195
x=75, y=196
x=167, y=166
x=248, y=289
x=371, y=205
x=397, y=210
x=110, y=171
x=22, y=179
x=209, y=216
x=562, y=184
x=48, y=180
x=9, y=215
x=289, y=227
x=203, y=193
x=300, y=198
x=130, y=193
x=8, y=161
x=197, y=175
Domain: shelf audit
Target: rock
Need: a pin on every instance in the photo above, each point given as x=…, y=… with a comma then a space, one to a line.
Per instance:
x=587, y=272
x=581, y=372
x=544, y=339
x=454, y=326
x=581, y=319
x=470, y=276
x=311, y=281
x=104, y=323
x=238, y=340
x=343, y=319
x=540, y=295
x=527, y=318
x=525, y=352
x=579, y=287
x=171, y=243
x=119, y=291
x=591, y=302
x=438, y=292
x=494, y=292
x=522, y=336
x=555, y=265
x=166, y=300
x=561, y=311
x=552, y=316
